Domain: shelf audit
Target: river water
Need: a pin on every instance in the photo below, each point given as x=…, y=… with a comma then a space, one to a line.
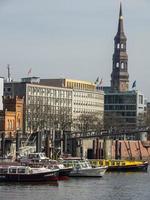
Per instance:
x=113, y=186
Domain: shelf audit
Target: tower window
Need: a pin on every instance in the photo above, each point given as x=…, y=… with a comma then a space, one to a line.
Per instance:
x=122, y=46
x=117, y=64
x=118, y=46
x=122, y=65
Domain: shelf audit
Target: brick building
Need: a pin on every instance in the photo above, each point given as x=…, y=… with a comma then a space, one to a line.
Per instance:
x=11, y=117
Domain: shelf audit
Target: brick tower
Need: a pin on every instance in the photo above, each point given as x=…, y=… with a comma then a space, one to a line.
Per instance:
x=119, y=75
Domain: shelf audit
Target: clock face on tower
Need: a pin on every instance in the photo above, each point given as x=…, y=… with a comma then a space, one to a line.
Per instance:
x=123, y=86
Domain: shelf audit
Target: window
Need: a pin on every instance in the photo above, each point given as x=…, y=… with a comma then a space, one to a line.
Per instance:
x=21, y=170
x=140, y=99
x=8, y=89
x=122, y=65
x=12, y=170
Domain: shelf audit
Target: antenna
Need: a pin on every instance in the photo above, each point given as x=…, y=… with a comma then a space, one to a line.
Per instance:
x=8, y=74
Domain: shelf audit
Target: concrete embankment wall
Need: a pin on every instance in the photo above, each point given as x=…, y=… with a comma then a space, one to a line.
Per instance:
x=116, y=149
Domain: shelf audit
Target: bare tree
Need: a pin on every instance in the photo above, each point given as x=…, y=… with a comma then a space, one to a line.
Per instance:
x=63, y=120
x=89, y=122
x=113, y=121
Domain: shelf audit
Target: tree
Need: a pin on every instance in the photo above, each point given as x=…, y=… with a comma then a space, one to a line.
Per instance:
x=114, y=121
x=63, y=120
x=89, y=122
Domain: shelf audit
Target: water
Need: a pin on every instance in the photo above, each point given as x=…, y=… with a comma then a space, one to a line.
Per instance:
x=113, y=186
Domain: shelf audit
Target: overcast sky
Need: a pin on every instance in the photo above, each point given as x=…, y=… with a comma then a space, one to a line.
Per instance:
x=73, y=39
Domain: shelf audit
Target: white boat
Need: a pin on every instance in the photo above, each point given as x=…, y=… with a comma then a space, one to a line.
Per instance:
x=83, y=168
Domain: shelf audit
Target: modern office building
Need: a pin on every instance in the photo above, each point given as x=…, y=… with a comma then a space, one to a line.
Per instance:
x=49, y=106
x=69, y=83
x=87, y=99
x=124, y=109
x=1, y=92
x=45, y=107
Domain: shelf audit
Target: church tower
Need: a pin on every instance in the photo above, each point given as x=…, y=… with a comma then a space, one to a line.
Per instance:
x=119, y=75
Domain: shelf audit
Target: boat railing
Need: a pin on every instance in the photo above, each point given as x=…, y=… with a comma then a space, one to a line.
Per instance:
x=103, y=162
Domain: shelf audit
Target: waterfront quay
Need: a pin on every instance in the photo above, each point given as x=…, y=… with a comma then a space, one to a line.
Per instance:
x=130, y=145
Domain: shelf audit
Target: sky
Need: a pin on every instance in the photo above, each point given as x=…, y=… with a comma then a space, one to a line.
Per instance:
x=73, y=39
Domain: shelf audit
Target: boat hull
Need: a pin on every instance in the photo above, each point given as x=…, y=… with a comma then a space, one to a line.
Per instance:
x=28, y=177
x=129, y=168
x=91, y=172
x=64, y=173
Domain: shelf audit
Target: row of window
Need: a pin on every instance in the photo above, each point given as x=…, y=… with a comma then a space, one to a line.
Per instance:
x=49, y=92
x=121, y=114
x=78, y=110
x=87, y=95
x=120, y=99
x=88, y=104
x=120, y=46
x=81, y=86
x=120, y=107
x=10, y=124
x=122, y=65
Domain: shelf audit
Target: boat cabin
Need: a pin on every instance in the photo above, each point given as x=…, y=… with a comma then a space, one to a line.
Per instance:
x=76, y=163
x=15, y=170
x=35, y=157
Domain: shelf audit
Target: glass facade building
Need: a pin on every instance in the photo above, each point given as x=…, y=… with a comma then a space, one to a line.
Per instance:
x=124, y=108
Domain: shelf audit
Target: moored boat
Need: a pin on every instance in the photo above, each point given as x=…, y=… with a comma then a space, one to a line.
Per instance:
x=27, y=174
x=82, y=168
x=122, y=165
x=64, y=172
x=39, y=159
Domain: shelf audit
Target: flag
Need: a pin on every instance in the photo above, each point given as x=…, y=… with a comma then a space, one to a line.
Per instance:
x=134, y=84
x=97, y=80
x=99, y=86
x=101, y=81
x=29, y=72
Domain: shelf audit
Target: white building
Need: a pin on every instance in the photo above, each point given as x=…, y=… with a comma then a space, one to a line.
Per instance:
x=1, y=92
x=48, y=103
x=86, y=99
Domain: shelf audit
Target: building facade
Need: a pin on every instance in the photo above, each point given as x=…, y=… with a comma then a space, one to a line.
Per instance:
x=87, y=100
x=1, y=92
x=123, y=108
x=45, y=107
x=69, y=83
x=120, y=76
x=56, y=107
x=11, y=118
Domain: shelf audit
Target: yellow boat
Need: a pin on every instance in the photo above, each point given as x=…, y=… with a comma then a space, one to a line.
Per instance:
x=121, y=165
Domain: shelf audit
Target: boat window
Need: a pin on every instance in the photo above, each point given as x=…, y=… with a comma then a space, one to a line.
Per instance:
x=107, y=163
x=3, y=170
x=12, y=170
x=42, y=155
x=78, y=166
x=101, y=163
x=21, y=170
x=113, y=162
x=84, y=164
